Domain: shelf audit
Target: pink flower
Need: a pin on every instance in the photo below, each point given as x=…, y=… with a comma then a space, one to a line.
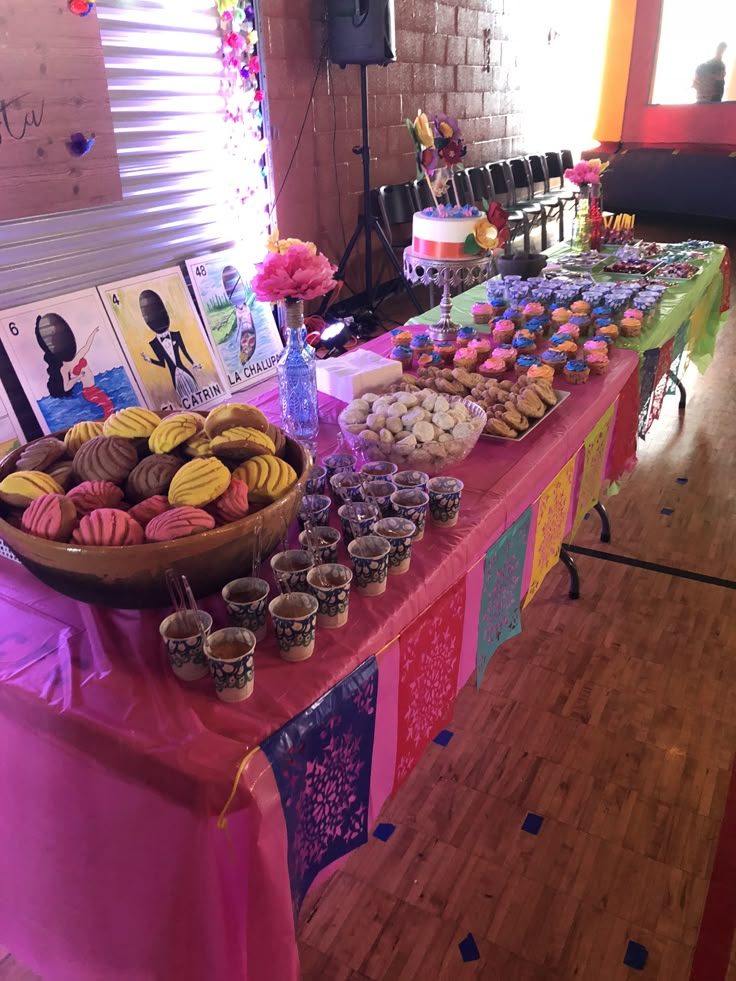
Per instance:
x=585, y=172
x=297, y=274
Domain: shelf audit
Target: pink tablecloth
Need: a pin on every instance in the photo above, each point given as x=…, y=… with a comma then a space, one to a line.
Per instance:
x=111, y=864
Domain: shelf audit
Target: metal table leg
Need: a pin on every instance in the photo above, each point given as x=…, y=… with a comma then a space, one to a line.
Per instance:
x=605, y=522
x=681, y=387
x=569, y=563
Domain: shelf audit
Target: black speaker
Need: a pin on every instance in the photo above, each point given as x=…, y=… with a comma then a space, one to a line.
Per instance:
x=361, y=32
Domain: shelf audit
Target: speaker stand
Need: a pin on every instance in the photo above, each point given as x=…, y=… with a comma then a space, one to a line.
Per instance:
x=368, y=224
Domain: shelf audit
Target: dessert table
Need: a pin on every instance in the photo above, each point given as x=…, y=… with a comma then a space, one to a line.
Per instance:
x=686, y=325
x=150, y=831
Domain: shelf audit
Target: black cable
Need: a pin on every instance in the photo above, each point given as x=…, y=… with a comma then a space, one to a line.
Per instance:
x=334, y=164
x=304, y=123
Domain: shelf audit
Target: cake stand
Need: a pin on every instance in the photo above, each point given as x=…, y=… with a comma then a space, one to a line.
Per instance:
x=447, y=273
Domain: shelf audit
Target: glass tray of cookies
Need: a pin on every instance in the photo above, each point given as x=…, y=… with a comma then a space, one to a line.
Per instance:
x=508, y=422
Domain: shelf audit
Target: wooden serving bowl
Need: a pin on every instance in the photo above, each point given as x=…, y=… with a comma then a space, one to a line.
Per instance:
x=132, y=577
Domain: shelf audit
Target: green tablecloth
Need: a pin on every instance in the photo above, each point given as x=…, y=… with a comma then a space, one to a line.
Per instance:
x=677, y=306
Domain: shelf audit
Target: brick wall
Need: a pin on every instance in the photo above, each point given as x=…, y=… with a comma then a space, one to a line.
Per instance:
x=444, y=63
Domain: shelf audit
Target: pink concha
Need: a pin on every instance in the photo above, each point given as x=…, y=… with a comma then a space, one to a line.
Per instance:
x=178, y=523
x=93, y=494
x=108, y=526
x=233, y=504
x=149, y=509
x=51, y=516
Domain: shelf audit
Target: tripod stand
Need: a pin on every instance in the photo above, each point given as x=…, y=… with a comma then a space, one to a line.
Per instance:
x=368, y=224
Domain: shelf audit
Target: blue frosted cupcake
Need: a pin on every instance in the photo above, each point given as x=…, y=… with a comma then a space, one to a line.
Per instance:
x=524, y=362
x=403, y=354
x=466, y=334
x=524, y=345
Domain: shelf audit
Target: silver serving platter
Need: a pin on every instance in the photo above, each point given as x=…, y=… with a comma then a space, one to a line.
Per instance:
x=561, y=396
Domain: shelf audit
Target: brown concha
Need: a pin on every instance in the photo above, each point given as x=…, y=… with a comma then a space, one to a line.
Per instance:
x=105, y=458
x=63, y=473
x=152, y=476
x=178, y=523
x=41, y=454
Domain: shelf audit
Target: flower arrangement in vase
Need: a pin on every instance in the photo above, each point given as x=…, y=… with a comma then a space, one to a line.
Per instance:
x=292, y=272
x=588, y=226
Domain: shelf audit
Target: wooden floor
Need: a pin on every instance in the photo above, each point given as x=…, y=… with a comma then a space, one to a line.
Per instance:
x=612, y=718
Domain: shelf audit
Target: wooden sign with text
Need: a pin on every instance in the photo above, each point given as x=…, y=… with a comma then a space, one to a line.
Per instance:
x=53, y=87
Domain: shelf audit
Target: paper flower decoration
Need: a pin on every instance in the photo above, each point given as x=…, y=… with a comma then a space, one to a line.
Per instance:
x=423, y=130
x=81, y=7
x=586, y=172
x=485, y=234
x=79, y=144
x=280, y=245
x=296, y=274
x=447, y=126
x=452, y=153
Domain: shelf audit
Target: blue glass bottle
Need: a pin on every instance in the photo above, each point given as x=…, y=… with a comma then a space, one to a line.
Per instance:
x=296, y=370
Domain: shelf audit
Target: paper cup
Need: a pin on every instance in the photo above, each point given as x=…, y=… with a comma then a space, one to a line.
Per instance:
x=411, y=480
x=377, y=469
x=330, y=583
x=317, y=480
x=411, y=504
x=336, y=462
x=314, y=508
x=327, y=541
x=369, y=556
x=230, y=660
x=247, y=603
x=183, y=640
x=290, y=570
x=294, y=618
x=359, y=514
x=399, y=533
x=444, y=500
x=347, y=486
x=379, y=492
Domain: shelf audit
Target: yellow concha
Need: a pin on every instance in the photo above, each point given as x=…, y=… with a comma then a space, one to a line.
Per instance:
x=244, y=434
x=268, y=477
x=198, y=445
x=81, y=432
x=24, y=486
x=170, y=433
x=194, y=417
x=199, y=482
x=131, y=423
x=233, y=414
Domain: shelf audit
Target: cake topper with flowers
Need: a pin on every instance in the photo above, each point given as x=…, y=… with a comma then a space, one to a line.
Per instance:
x=439, y=147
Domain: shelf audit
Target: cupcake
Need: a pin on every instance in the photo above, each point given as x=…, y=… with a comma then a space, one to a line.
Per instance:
x=498, y=306
x=535, y=326
x=504, y=331
x=532, y=310
x=524, y=362
x=576, y=372
x=597, y=362
x=482, y=312
x=570, y=332
x=506, y=353
x=493, y=368
x=466, y=334
x=446, y=352
x=581, y=321
x=594, y=347
x=580, y=307
x=559, y=338
x=481, y=346
x=608, y=330
x=401, y=336
x=430, y=359
x=554, y=359
x=545, y=322
x=541, y=372
x=560, y=316
x=599, y=313
x=523, y=345
x=421, y=344
x=515, y=314
x=464, y=358
x=568, y=348
x=606, y=338
x=630, y=327
x=403, y=354
x=634, y=313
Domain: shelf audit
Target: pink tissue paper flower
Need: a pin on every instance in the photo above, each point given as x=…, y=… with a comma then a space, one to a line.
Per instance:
x=585, y=172
x=298, y=274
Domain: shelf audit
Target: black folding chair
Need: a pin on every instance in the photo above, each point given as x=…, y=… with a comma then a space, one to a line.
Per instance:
x=556, y=200
x=481, y=185
x=502, y=193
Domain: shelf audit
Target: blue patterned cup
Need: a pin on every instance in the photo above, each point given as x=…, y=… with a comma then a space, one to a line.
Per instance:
x=246, y=601
x=330, y=583
x=184, y=645
x=399, y=533
x=290, y=570
x=336, y=462
x=294, y=618
x=379, y=468
x=412, y=504
x=324, y=543
x=357, y=519
x=317, y=480
x=444, y=500
x=230, y=661
x=379, y=492
x=314, y=508
x=411, y=480
x=347, y=486
x=369, y=556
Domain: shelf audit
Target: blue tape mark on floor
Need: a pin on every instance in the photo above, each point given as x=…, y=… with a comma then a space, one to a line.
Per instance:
x=532, y=823
x=384, y=831
x=682, y=480
x=666, y=511
x=469, y=949
x=443, y=737
x=636, y=956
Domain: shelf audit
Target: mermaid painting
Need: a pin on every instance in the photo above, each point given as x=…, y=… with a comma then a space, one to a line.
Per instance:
x=66, y=365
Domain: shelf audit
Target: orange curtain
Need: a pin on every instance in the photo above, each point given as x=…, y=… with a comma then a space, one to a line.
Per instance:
x=616, y=71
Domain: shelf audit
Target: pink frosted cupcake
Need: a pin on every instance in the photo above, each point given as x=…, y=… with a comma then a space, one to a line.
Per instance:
x=504, y=331
x=465, y=358
x=570, y=330
x=506, y=353
x=532, y=310
x=634, y=313
x=597, y=361
x=481, y=346
x=594, y=347
x=482, y=312
x=493, y=368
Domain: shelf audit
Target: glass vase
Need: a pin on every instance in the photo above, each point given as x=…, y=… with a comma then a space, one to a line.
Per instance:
x=581, y=225
x=296, y=371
